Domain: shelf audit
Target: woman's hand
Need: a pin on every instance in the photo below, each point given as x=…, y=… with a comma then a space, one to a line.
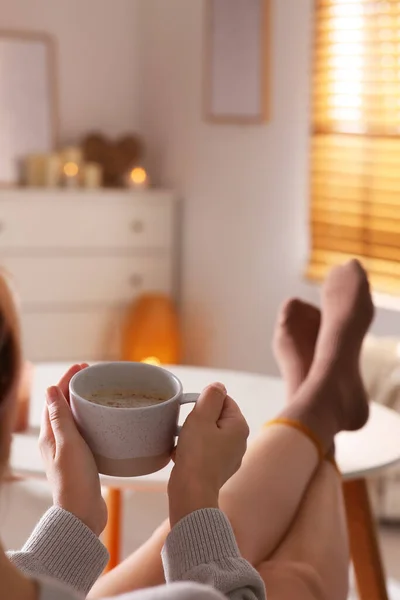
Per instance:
x=210, y=449
x=70, y=466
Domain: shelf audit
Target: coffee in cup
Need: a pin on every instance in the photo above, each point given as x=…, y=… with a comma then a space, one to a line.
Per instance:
x=123, y=398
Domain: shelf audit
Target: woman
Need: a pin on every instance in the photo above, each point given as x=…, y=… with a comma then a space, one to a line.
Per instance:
x=284, y=503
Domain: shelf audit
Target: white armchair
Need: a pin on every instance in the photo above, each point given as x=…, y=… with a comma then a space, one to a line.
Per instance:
x=380, y=366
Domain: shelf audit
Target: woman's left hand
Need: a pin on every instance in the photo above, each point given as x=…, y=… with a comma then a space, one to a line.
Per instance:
x=70, y=466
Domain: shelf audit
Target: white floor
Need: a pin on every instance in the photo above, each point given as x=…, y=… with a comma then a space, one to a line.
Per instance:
x=22, y=504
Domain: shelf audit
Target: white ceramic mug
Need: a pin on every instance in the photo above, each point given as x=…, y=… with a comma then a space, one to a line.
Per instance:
x=128, y=442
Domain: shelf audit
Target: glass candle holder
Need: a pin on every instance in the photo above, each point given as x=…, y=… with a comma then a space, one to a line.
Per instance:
x=71, y=175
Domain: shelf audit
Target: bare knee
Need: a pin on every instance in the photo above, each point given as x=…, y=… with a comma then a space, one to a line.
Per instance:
x=285, y=580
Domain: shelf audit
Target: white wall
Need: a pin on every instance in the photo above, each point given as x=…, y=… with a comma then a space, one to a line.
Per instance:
x=96, y=59
x=244, y=188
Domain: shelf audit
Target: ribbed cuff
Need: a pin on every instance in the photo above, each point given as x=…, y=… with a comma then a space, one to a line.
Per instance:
x=202, y=537
x=67, y=549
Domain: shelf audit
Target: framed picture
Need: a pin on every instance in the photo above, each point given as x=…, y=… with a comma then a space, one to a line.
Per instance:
x=237, y=61
x=28, y=111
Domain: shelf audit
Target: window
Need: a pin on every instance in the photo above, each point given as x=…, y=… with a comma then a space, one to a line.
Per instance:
x=355, y=154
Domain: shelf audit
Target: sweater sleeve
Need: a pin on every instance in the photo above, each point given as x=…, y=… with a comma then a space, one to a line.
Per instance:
x=202, y=548
x=63, y=548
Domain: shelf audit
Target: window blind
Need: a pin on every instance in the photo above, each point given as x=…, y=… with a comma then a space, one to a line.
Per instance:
x=355, y=146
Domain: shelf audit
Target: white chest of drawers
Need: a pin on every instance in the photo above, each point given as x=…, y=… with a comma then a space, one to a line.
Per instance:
x=79, y=258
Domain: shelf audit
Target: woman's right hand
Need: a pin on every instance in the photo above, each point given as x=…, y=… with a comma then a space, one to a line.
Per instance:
x=210, y=449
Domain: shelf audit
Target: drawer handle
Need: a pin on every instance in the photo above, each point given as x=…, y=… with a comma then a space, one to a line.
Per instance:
x=136, y=280
x=137, y=226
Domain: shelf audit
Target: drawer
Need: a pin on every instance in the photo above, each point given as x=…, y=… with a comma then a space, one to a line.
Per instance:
x=79, y=280
x=75, y=336
x=45, y=223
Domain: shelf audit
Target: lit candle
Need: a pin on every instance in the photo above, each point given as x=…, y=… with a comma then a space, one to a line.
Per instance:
x=137, y=178
x=52, y=170
x=92, y=175
x=71, y=174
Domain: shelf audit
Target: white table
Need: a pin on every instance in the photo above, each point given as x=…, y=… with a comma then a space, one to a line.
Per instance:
x=260, y=397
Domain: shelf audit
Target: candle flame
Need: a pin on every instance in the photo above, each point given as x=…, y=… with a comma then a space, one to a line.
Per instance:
x=71, y=169
x=138, y=175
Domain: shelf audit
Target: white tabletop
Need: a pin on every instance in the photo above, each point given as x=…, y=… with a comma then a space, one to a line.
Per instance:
x=260, y=398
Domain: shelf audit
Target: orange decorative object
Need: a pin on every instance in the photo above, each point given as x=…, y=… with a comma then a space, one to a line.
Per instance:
x=152, y=332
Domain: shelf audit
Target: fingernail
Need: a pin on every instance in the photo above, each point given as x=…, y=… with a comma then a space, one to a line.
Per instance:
x=84, y=366
x=51, y=395
x=220, y=387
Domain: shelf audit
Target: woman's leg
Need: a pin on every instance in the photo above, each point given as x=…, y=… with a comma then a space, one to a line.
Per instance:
x=279, y=466
x=332, y=398
x=141, y=569
x=312, y=562
x=279, y=449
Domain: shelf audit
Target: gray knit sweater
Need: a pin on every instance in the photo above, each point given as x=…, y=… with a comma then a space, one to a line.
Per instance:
x=200, y=557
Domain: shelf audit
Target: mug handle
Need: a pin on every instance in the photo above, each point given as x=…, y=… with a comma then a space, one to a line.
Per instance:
x=186, y=399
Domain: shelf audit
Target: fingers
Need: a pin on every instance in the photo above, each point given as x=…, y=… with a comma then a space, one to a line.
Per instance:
x=63, y=384
x=59, y=414
x=210, y=403
x=232, y=416
x=57, y=421
x=47, y=442
x=230, y=409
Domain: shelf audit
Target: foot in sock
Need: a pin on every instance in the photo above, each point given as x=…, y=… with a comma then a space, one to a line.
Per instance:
x=294, y=341
x=332, y=397
x=347, y=313
x=347, y=309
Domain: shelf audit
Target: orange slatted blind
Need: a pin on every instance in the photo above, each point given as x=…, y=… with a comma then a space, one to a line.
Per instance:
x=355, y=154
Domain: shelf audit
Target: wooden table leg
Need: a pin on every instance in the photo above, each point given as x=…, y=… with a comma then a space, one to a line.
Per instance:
x=364, y=547
x=112, y=533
